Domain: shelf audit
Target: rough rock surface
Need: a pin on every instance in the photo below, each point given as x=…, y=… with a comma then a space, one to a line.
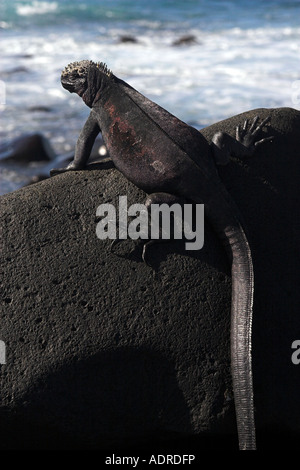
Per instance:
x=103, y=351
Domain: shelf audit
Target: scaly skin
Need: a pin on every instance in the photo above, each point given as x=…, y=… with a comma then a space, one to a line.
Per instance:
x=171, y=160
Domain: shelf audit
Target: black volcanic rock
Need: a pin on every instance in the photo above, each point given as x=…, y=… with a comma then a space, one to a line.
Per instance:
x=103, y=351
x=27, y=148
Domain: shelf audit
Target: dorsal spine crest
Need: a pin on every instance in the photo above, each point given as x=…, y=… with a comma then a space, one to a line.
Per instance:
x=82, y=66
x=103, y=67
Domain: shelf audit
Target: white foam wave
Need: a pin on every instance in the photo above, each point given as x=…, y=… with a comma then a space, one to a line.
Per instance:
x=224, y=74
x=36, y=8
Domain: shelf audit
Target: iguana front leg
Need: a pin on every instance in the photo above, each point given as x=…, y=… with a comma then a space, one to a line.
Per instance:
x=243, y=145
x=84, y=146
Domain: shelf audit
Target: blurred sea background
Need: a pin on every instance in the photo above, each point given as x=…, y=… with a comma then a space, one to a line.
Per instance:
x=203, y=60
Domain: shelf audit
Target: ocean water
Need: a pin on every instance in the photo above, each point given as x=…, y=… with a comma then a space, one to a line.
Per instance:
x=244, y=54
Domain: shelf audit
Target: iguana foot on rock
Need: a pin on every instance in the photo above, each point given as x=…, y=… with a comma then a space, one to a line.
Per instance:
x=70, y=167
x=243, y=145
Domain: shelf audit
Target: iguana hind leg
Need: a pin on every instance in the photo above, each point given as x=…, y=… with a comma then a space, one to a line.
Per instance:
x=163, y=202
x=159, y=199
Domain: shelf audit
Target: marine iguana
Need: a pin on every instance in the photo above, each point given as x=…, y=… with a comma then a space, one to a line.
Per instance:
x=171, y=160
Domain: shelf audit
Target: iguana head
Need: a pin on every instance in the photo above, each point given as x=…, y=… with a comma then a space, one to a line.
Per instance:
x=85, y=78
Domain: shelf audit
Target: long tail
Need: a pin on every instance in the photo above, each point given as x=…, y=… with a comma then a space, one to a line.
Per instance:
x=241, y=330
x=225, y=217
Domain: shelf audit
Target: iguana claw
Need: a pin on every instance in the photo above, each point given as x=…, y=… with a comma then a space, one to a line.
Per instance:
x=247, y=136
